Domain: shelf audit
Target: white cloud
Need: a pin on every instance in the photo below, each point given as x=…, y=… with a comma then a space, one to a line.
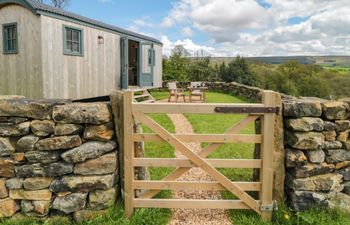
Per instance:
x=188, y=44
x=187, y=32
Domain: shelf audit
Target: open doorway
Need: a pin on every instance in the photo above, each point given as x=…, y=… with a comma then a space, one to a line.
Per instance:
x=134, y=47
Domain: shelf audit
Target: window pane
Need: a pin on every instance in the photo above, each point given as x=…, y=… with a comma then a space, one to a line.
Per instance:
x=76, y=36
x=69, y=35
x=9, y=45
x=76, y=47
x=69, y=46
x=14, y=45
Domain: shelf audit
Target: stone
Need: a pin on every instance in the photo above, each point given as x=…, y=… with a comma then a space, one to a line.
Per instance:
x=86, y=215
x=101, y=199
x=3, y=190
x=89, y=150
x=35, y=208
x=6, y=147
x=333, y=110
x=67, y=129
x=14, y=183
x=341, y=165
x=304, y=124
x=14, y=130
x=82, y=183
x=43, y=156
x=36, y=109
x=58, y=143
x=342, y=125
x=309, y=170
x=346, y=145
x=27, y=143
x=304, y=141
x=339, y=155
x=317, y=156
x=345, y=172
x=332, y=145
x=303, y=200
x=324, y=183
x=47, y=170
x=70, y=203
x=340, y=201
x=37, y=183
x=103, y=132
x=329, y=126
x=38, y=195
x=82, y=113
x=16, y=120
x=7, y=168
x=346, y=189
x=295, y=158
x=42, y=128
x=330, y=135
x=302, y=108
x=8, y=207
x=103, y=165
x=18, y=157
x=343, y=136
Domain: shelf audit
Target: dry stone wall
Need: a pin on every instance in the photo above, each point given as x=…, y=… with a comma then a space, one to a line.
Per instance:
x=57, y=158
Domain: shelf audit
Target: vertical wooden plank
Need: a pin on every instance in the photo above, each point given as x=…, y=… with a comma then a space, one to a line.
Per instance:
x=267, y=152
x=128, y=153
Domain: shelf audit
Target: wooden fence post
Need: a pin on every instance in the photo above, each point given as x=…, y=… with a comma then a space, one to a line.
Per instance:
x=128, y=154
x=267, y=156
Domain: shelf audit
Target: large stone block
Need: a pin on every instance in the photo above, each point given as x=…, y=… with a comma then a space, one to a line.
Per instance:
x=346, y=189
x=334, y=110
x=70, y=203
x=345, y=172
x=43, y=156
x=303, y=200
x=89, y=150
x=317, y=156
x=67, y=129
x=27, y=143
x=101, y=199
x=36, y=109
x=342, y=125
x=46, y=170
x=8, y=207
x=35, y=208
x=343, y=136
x=103, y=132
x=304, y=124
x=332, y=145
x=340, y=201
x=42, y=128
x=14, y=183
x=304, y=141
x=37, y=183
x=16, y=130
x=295, y=158
x=324, y=183
x=82, y=113
x=103, y=165
x=7, y=168
x=6, y=147
x=329, y=126
x=58, y=143
x=302, y=108
x=309, y=170
x=38, y=195
x=82, y=183
x=3, y=190
x=335, y=156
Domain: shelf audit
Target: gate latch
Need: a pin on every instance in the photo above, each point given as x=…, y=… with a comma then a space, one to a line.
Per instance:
x=269, y=207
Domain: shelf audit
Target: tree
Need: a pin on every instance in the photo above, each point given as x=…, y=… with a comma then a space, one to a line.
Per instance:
x=58, y=3
x=176, y=68
x=180, y=50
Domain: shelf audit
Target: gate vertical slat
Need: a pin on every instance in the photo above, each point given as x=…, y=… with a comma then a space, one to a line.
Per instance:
x=128, y=153
x=267, y=152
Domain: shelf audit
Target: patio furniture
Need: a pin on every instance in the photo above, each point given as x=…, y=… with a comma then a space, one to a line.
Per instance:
x=197, y=89
x=175, y=91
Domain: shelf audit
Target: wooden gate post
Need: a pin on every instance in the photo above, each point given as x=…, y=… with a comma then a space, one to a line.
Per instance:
x=267, y=153
x=128, y=154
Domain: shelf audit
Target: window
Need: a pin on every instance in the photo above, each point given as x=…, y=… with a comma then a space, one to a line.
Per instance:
x=151, y=57
x=10, y=36
x=73, y=41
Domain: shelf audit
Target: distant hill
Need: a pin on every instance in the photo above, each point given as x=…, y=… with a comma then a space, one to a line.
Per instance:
x=327, y=61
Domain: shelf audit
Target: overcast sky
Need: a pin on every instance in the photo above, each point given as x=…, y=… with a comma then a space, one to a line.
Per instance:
x=233, y=27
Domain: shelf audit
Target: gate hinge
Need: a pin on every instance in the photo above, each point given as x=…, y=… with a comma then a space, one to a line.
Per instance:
x=269, y=207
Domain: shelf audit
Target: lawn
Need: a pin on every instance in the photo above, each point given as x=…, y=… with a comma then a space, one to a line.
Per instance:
x=202, y=124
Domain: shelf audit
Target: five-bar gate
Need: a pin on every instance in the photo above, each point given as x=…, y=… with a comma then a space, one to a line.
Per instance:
x=136, y=113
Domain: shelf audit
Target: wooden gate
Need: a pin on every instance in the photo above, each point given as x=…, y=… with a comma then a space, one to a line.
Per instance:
x=136, y=113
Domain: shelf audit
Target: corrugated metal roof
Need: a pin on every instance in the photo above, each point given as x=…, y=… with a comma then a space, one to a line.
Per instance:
x=40, y=8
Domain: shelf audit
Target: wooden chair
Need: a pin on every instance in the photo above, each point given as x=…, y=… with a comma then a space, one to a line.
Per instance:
x=175, y=91
x=197, y=89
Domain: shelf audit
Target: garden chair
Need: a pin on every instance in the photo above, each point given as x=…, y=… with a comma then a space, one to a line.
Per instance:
x=197, y=89
x=175, y=91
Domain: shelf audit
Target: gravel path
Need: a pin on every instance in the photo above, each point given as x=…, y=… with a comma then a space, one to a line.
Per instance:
x=195, y=216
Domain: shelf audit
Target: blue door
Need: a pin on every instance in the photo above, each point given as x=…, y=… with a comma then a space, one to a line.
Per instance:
x=124, y=62
x=147, y=64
